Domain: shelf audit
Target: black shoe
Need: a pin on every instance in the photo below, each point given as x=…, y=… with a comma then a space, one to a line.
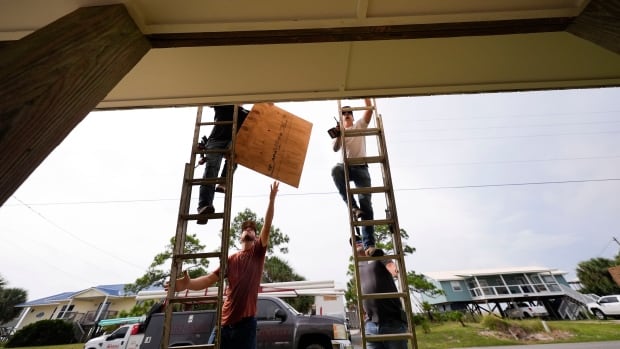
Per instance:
x=357, y=213
x=204, y=210
x=220, y=188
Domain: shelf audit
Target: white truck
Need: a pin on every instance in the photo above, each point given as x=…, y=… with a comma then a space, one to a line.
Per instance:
x=124, y=337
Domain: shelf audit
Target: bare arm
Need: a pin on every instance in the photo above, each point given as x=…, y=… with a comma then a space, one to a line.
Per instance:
x=199, y=283
x=264, y=233
x=368, y=113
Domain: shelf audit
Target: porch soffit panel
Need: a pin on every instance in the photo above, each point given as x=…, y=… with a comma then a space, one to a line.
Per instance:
x=254, y=73
x=19, y=18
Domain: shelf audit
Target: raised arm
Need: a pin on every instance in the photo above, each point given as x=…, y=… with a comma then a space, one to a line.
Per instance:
x=264, y=233
x=368, y=113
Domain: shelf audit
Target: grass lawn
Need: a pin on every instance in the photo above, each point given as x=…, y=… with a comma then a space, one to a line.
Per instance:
x=453, y=335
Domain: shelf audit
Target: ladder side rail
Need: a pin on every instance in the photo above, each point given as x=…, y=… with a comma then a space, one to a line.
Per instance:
x=396, y=237
x=225, y=238
x=181, y=231
x=356, y=272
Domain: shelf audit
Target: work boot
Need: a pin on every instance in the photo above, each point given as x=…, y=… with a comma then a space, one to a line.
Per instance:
x=220, y=188
x=204, y=211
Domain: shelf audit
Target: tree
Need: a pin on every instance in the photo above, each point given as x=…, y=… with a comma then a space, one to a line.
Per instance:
x=9, y=298
x=595, y=278
x=275, y=270
x=384, y=241
x=159, y=270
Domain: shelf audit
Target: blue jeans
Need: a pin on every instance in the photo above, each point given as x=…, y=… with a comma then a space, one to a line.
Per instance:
x=389, y=327
x=241, y=335
x=361, y=177
x=213, y=161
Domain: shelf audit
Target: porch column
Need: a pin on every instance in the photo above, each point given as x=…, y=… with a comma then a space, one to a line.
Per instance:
x=51, y=79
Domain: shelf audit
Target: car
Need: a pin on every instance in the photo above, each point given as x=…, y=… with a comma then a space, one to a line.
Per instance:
x=606, y=306
x=525, y=310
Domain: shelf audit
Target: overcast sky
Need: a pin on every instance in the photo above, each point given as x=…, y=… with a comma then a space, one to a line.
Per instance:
x=481, y=181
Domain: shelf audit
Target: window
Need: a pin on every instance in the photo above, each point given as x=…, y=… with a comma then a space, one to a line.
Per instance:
x=266, y=309
x=456, y=286
x=63, y=310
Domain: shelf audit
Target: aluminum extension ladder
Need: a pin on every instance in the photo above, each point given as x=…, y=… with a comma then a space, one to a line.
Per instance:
x=391, y=220
x=184, y=217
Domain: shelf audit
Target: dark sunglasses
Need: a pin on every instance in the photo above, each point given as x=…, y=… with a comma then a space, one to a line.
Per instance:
x=347, y=112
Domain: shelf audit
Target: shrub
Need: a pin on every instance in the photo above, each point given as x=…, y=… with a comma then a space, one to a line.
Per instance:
x=44, y=332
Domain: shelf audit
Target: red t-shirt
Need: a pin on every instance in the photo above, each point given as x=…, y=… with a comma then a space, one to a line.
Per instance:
x=245, y=270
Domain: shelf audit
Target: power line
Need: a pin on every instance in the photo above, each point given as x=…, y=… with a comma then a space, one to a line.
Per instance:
x=76, y=237
x=334, y=192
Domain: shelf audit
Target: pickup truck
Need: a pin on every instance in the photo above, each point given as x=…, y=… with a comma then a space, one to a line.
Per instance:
x=606, y=306
x=124, y=337
x=524, y=310
x=279, y=326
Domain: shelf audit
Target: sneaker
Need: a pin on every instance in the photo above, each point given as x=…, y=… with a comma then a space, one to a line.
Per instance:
x=357, y=213
x=204, y=210
x=370, y=251
x=220, y=188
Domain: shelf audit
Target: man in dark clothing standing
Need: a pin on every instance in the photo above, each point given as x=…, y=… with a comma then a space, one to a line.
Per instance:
x=220, y=138
x=382, y=316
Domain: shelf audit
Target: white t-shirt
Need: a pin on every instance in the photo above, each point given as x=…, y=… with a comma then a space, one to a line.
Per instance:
x=356, y=146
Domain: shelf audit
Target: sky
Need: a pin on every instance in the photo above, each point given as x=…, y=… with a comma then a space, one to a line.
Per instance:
x=480, y=180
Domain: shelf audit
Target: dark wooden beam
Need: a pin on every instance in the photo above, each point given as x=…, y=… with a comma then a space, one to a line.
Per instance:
x=394, y=32
x=599, y=23
x=51, y=79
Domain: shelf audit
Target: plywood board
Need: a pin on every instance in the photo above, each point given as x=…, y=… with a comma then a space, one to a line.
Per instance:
x=273, y=142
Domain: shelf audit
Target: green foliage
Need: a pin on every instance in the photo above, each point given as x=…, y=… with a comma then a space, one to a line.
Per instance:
x=44, y=332
x=159, y=270
x=495, y=323
x=595, y=278
x=9, y=297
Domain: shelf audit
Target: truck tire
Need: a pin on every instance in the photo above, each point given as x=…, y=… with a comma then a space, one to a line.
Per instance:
x=316, y=343
x=599, y=314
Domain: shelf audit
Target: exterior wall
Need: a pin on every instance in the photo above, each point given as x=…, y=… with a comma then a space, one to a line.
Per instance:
x=81, y=308
x=330, y=305
x=37, y=313
x=456, y=290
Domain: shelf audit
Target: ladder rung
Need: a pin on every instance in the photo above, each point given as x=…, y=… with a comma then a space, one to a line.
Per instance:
x=388, y=337
x=363, y=223
x=373, y=131
x=207, y=181
x=368, y=190
x=383, y=295
x=207, y=123
x=385, y=257
x=203, y=299
x=197, y=346
x=365, y=160
x=193, y=217
x=197, y=255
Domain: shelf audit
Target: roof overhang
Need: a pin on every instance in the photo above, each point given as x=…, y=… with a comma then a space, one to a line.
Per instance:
x=248, y=51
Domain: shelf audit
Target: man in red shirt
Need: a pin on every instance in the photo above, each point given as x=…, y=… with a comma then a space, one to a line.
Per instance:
x=245, y=269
